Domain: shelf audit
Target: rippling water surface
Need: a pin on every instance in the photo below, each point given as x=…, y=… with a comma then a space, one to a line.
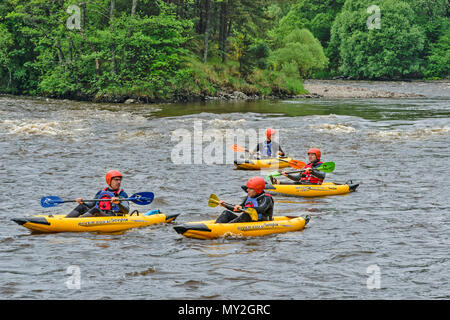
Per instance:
x=397, y=221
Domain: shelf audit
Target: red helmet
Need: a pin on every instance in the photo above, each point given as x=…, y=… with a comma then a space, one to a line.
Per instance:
x=270, y=132
x=316, y=152
x=256, y=183
x=112, y=174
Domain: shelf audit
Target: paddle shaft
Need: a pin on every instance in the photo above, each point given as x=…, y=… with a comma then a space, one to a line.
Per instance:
x=301, y=170
x=290, y=172
x=92, y=200
x=237, y=148
x=142, y=198
x=227, y=204
x=325, y=167
x=250, y=211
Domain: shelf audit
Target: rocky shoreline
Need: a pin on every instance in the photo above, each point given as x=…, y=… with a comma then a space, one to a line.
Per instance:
x=339, y=90
x=222, y=96
x=316, y=88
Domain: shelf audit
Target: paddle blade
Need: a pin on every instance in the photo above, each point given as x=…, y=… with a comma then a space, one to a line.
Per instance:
x=213, y=200
x=297, y=164
x=51, y=201
x=237, y=148
x=142, y=198
x=273, y=174
x=326, y=167
x=252, y=213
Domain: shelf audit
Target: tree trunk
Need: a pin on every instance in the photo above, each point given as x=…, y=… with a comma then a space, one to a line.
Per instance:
x=70, y=50
x=199, y=27
x=60, y=52
x=223, y=29
x=207, y=9
x=113, y=50
x=82, y=29
x=97, y=62
x=83, y=15
x=10, y=78
x=133, y=8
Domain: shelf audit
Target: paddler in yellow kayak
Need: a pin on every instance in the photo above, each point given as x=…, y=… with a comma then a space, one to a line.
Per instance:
x=256, y=199
x=268, y=148
x=308, y=174
x=111, y=206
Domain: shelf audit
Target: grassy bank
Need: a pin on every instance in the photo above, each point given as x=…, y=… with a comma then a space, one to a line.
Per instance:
x=197, y=81
x=216, y=78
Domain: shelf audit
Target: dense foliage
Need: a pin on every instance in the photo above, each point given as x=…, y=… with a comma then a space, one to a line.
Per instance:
x=299, y=54
x=180, y=49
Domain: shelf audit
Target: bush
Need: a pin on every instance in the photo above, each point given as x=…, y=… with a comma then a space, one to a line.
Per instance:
x=300, y=49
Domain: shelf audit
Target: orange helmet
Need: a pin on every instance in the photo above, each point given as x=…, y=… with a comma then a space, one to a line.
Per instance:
x=112, y=174
x=256, y=183
x=316, y=152
x=270, y=132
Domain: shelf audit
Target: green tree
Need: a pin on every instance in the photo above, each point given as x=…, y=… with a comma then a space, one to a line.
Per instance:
x=433, y=18
x=438, y=62
x=391, y=51
x=314, y=15
x=254, y=56
x=301, y=52
x=6, y=42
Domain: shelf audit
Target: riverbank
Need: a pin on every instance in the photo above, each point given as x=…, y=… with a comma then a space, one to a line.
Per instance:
x=328, y=89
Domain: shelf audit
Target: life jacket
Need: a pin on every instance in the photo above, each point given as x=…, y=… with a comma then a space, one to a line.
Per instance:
x=253, y=202
x=267, y=151
x=108, y=205
x=308, y=176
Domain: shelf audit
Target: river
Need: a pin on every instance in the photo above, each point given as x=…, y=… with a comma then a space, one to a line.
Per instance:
x=387, y=240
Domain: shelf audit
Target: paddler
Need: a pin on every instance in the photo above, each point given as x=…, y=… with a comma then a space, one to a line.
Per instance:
x=111, y=206
x=268, y=148
x=308, y=174
x=256, y=199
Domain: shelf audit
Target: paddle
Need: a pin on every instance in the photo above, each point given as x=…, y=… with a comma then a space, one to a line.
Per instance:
x=297, y=164
x=214, y=202
x=141, y=198
x=324, y=167
x=237, y=148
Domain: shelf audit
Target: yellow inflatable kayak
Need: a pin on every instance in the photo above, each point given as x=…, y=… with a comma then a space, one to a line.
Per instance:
x=257, y=164
x=58, y=223
x=211, y=230
x=313, y=190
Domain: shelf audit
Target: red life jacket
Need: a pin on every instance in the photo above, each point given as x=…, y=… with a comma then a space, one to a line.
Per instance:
x=108, y=205
x=308, y=176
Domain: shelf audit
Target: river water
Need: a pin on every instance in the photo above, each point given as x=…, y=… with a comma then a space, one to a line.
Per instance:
x=388, y=240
